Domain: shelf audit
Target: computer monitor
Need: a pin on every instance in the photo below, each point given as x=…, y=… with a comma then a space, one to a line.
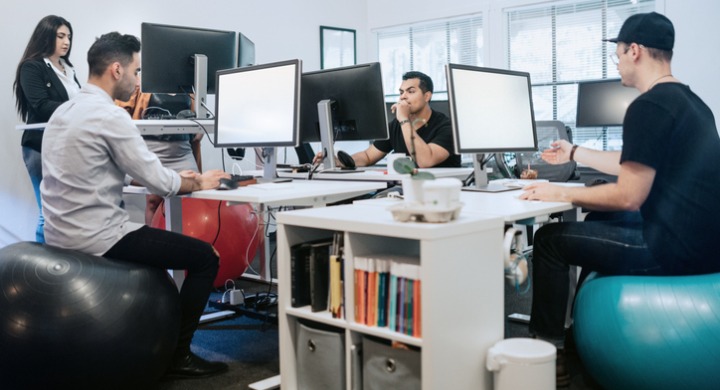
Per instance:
x=342, y=104
x=603, y=102
x=246, y=51
x=178, y=59
x=491, y=111
x=258, y=106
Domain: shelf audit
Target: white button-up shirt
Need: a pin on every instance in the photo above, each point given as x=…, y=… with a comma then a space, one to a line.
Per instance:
x=89, y=146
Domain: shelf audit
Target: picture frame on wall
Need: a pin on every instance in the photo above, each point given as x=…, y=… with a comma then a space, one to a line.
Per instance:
x=337, y=47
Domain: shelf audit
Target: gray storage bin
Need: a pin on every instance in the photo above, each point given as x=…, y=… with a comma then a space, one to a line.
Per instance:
x=320, y=357
x=385, y=367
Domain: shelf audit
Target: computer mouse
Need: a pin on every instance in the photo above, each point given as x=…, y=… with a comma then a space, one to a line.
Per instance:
x=227, y=184
x=346, y=160
x=596, y=182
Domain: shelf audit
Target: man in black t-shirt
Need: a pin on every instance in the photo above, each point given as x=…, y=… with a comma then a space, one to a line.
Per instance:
x=433, y=134
x=667, y=171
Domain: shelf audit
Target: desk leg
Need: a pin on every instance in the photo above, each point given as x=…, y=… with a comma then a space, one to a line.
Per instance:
x=173, y=222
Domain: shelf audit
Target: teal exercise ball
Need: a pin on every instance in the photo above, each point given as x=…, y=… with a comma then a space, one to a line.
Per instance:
x=650, y=332
x=69, y=320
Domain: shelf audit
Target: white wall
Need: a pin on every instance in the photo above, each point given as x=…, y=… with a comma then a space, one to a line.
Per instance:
x=281, y=29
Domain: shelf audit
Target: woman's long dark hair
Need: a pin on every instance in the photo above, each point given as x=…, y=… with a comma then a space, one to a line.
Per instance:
x=42, y=44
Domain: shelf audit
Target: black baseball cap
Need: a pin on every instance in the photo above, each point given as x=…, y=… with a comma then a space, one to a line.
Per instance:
x=650, y=30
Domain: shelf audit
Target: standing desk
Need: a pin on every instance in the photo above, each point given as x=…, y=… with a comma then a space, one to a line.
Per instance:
x=154, y=126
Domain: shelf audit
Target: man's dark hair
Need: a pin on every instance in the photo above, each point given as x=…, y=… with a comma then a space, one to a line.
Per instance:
x=426, y=84
x=109, y=48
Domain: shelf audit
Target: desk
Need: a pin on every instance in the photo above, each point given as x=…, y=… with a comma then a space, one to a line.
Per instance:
x=155, y=127
x=295, y=193
x=375, y=174
x=502, y=204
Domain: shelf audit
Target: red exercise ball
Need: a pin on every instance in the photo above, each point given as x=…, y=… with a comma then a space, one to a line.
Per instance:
x=236, y=235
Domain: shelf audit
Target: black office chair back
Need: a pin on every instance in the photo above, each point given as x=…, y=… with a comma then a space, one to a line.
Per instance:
x=547, y=132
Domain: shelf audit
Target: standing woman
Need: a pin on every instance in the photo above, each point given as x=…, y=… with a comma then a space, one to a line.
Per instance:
x=44, y=80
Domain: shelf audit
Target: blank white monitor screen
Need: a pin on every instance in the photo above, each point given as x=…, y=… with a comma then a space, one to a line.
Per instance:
x=258, y=105
x=491, y=110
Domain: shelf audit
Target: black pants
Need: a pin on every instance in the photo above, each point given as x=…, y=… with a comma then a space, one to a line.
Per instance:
x=612, y=245
x=169, y=250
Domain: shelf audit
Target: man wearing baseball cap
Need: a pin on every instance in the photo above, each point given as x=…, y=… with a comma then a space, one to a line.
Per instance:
x=666, y=193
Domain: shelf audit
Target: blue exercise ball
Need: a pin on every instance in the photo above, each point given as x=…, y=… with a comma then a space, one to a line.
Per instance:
x=650, y=332
x=76, y=321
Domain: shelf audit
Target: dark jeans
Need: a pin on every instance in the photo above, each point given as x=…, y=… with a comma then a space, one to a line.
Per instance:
x=611, y=244
x=169, y=250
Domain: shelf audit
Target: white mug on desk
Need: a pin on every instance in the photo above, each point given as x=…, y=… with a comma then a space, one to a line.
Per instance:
x=391, y=160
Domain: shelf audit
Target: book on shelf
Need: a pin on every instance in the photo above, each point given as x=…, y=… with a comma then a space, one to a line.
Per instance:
x=302, y=257
x=336, y=304
x=319, y=275
x=299, y=275
x=360, y=273
x=387, y=293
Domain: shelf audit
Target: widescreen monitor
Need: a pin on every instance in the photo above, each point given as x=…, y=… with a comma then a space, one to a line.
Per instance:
x=491, y=111
x=167, y=56
x=603, y=102
x=258, y=106
x=356, y=106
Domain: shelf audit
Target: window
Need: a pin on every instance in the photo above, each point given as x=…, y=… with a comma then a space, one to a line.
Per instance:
x=427, y=47
x=560, y=44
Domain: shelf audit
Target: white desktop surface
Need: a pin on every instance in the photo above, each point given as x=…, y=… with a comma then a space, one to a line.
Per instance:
x=505, y=204
x=154, y=126
x=294, y=193
x=375, y=174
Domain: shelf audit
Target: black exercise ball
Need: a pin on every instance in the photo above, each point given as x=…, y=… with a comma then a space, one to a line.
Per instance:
x=76, y=321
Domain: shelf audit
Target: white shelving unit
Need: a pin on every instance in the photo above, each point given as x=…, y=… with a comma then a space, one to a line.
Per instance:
x=461, y=289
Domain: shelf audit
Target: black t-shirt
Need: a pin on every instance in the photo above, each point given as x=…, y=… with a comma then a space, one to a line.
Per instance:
x=672, y=130
x=437, y=131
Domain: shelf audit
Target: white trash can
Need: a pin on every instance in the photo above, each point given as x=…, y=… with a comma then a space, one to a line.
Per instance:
x=522, y=363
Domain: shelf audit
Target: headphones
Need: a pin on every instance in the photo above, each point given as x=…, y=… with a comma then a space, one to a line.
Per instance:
x=516, y=266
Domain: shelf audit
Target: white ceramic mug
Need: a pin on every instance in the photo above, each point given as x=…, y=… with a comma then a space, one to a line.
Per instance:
x=441, y=193
x=391, y=161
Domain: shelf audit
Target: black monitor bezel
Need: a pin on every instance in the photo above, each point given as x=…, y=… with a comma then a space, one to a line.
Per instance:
x=296, y=133
x=348, y=89
x=459, y=149
x=163, y=73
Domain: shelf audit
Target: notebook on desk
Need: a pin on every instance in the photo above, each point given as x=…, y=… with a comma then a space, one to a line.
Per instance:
x=501, y=185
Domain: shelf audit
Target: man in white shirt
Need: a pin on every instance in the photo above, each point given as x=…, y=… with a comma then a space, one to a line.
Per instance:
x=90, y=147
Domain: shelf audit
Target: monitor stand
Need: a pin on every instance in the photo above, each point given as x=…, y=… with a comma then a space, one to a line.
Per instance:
x=481, y=178
x=269, y=160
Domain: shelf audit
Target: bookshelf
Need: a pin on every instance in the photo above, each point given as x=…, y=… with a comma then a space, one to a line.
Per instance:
x=461, y=269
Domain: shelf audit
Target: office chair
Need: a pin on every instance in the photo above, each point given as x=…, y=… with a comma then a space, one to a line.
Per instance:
x=548, y=132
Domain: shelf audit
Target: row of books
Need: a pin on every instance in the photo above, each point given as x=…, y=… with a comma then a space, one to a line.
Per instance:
x=387, y=293
x=316, y=275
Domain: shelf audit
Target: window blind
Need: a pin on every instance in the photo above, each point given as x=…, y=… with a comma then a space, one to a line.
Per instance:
x=427, y=47
x=560, y=44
